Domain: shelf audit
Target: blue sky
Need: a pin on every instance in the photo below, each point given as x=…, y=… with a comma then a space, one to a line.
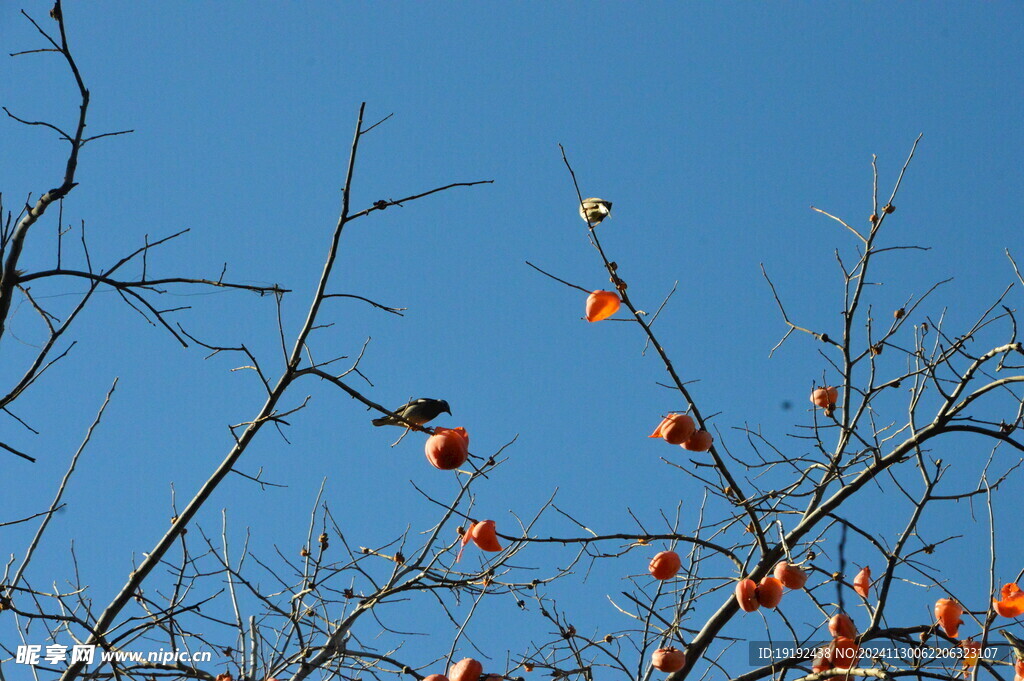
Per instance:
x=711, y=126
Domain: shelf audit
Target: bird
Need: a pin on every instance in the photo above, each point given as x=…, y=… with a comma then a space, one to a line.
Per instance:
x=594, y=210
x=418, y=412
x=1015, y=643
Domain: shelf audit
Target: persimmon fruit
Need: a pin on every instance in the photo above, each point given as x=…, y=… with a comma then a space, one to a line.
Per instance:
x=665, y=565
x=825, y=397
x=668, y=659
x=484, y=535
x=843, y=652
x=746, y=595
x=862, y=582
x=1011, y=601
x=947, y=613
x=700, y=441
x=768, y=592
x=972, y=651
x=821, y=661
x=791, y=576
x=602, y=305
x=466, y=669
x=675, y=429
x=842, y=625
x=447, y=448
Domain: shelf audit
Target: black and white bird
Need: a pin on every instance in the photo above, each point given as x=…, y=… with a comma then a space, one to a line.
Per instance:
x=418, y=412
x=594, y=210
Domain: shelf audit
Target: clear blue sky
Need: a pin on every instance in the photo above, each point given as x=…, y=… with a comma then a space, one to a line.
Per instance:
x=711, y=126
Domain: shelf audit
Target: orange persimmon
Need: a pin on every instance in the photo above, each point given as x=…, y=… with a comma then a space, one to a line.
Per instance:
x=435, y=677
x=862, y=582
x=466, y=669
x=665, y=565
x=790, y=575
x=768, y=592
x=1011, y=601
x=972, y=651
x=447, y=448
x=947, y=613
x=1018, y=670
x=843, y=652
x=842, y=625
x=484, y=536
x=668, y=659
x=675, y=429
x=699, y=441
x=825, y=397
x=602, y=305
x=746, y=595
x=821, y=661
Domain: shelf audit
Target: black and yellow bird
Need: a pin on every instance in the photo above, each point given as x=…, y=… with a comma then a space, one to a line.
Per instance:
x=418, y=412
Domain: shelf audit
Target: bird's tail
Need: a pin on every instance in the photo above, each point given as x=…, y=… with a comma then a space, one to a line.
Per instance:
x=382, y=421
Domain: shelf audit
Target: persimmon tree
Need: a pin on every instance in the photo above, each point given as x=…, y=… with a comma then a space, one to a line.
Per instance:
x=777, y=525
x=775, y=551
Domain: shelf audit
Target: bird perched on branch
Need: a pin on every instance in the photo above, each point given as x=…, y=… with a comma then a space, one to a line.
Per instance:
x=593, y=210
x=1015, y=643
x=418, y=412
